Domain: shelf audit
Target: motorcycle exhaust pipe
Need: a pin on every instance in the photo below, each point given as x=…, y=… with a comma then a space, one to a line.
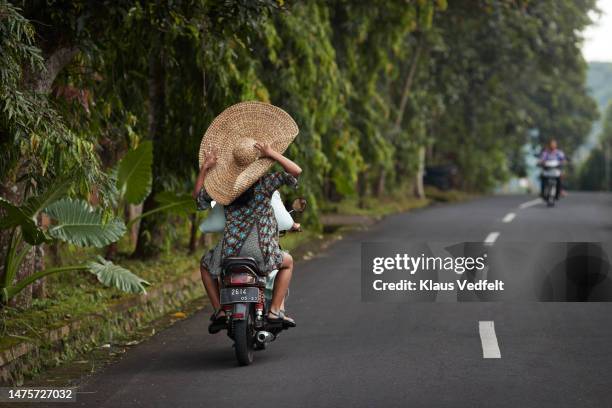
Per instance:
x=265, y=337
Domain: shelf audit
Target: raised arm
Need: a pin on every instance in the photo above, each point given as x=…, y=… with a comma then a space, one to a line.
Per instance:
x=290, y=167
x=209, y=162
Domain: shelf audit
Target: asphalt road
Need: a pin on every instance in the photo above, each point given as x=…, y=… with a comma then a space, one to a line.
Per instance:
x=346, y=352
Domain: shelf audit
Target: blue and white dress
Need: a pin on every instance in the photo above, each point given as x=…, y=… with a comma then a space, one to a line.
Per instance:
x=250, y=229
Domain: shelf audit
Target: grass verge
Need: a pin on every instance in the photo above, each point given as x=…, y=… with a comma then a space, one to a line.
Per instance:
x=399, y=201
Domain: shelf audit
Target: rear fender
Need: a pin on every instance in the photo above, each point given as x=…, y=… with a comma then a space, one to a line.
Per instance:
x=240, y=311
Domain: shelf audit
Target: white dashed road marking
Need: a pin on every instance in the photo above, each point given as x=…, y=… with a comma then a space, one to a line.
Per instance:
x=491, y=238
x=488, y=339
x=530, y=203
x=509, y=217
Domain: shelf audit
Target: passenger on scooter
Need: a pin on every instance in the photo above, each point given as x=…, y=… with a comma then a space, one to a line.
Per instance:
x=237, y=178
x=551, y=152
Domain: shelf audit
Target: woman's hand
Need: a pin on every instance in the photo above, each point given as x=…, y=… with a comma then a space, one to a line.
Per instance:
x=210, y=159
x=265, y=150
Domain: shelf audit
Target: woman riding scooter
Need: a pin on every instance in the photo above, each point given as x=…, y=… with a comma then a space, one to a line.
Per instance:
x=237, y=150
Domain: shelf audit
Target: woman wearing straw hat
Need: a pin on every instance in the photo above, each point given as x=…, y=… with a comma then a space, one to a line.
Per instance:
x=236, y=152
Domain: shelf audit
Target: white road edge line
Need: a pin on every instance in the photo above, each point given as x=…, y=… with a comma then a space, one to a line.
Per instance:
x=530, y=203
x=509, y=217
x=490, y=347
x=491, y=238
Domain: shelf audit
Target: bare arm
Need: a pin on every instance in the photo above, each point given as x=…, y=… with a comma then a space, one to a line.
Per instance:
x=199, y=181
x=209, y=163
x=287, y=164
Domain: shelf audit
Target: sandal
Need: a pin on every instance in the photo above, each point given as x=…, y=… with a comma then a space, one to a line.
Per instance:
x=217, y=323
x=289, y=321
x=285, y=320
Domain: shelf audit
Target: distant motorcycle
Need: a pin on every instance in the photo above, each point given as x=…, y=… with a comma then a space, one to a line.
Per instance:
x=551, y=173
x=244, y=300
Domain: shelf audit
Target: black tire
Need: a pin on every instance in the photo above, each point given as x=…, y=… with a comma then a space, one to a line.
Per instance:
x=243, y=340
x=547, y=194
x=551, y=191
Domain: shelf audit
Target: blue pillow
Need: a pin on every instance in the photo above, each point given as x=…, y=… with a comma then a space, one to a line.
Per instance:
x=215, y=222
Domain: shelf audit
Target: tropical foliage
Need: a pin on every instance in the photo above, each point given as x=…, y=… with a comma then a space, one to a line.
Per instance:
x=74, y=222
x=596, y=172
x=117, y=96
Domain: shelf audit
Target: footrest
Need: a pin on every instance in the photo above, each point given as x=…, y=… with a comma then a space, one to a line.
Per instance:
x=272, y=326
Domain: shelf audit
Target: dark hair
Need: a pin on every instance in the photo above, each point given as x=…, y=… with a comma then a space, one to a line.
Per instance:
x=244, y=198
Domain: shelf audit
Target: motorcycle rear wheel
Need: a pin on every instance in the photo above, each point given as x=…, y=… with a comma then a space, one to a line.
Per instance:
x=244, y=333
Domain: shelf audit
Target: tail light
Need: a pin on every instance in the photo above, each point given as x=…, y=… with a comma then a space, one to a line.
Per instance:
x=239, y=279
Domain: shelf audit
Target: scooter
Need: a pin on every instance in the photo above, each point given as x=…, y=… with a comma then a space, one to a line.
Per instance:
x=551, y=172
x=246, y=303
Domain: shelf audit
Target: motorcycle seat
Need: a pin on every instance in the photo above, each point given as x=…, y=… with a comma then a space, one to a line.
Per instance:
x=237, y=263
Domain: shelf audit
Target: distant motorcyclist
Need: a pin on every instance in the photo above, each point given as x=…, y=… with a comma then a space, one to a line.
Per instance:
x=551, y=152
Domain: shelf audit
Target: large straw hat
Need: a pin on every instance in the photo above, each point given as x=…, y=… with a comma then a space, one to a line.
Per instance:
x=233, y=134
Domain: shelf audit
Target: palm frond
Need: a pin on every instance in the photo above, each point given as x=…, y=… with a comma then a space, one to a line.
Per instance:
x=134, y=174
x=110, y=274
x=80, y=224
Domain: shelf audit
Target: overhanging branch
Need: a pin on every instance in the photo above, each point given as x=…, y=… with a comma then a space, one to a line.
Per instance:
x=43, y=81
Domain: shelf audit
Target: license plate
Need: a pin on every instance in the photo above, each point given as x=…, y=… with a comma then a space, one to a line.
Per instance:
x=239, y=295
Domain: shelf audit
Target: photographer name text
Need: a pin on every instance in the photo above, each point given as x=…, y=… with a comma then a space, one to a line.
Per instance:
x=432, y=264
x=430, y=285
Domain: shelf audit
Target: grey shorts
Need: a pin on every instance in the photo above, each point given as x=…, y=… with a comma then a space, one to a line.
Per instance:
x=212, y=259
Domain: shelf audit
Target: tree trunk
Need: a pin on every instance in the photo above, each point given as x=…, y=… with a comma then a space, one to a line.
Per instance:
x=379, y=186
x=41, y=82
x=193, y=234
x=362, y=186
x=202, y=240
x=149, y=235
x=419, y=191
x=55, y=253
x=39, y=288
x=408, y=85
x=133, y=212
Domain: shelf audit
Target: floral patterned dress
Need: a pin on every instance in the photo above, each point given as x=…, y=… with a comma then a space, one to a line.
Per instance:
x=250, y=229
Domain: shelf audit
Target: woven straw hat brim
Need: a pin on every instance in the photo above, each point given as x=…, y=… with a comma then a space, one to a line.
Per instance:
x=261, y=122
